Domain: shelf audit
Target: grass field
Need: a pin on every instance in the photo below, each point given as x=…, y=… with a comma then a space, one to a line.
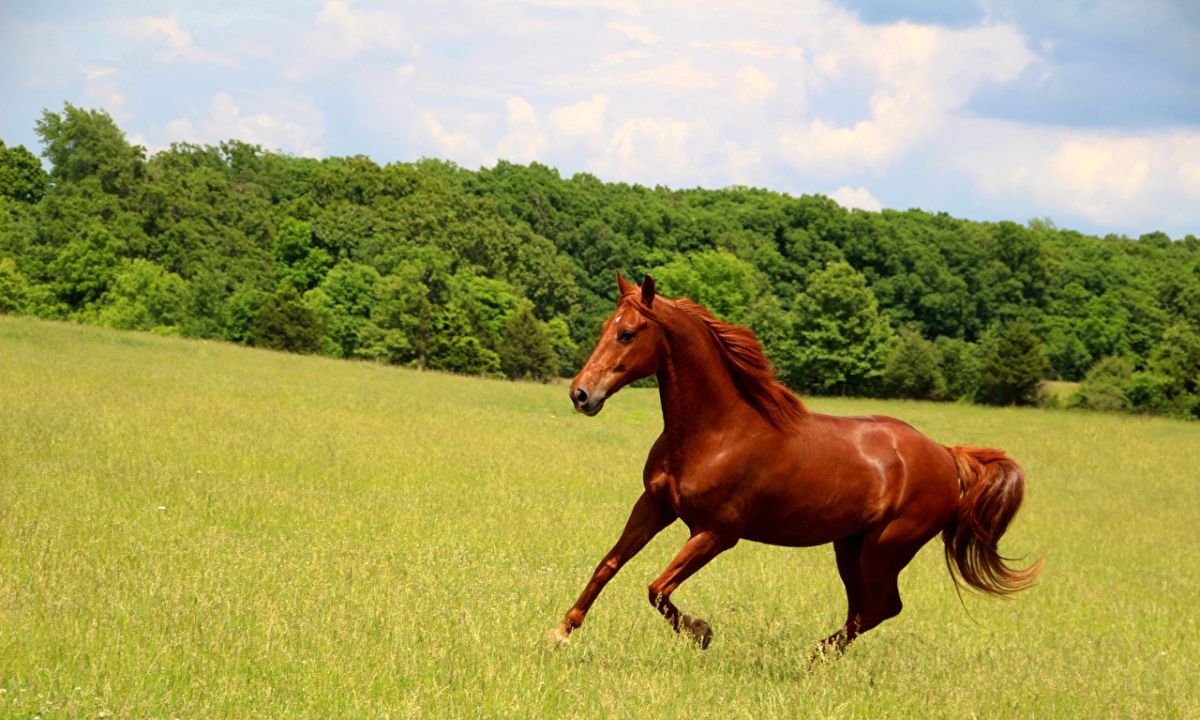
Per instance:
x=196, y=530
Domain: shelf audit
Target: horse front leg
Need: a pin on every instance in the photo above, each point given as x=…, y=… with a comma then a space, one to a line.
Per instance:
x=700, y=548
x=647, y=518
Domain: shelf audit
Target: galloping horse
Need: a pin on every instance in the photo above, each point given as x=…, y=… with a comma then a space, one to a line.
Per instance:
x=742, y=457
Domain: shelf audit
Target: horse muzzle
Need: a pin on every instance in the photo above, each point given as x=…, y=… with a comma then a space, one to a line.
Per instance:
x=587, y=403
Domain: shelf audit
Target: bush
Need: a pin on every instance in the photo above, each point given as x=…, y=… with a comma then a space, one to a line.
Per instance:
x=1104, y=386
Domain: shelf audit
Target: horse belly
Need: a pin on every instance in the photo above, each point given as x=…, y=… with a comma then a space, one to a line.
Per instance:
x=804, y=526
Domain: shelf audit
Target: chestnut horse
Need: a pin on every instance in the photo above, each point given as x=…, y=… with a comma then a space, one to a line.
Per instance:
x=740, y=457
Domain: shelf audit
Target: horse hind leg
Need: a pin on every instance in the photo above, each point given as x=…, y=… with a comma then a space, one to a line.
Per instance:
x=849, y=555
x=876, y=594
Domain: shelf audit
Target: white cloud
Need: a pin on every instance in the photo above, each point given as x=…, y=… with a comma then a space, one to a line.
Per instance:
x=581, y=118
x=679, y=76
x=917, y=77
x=640, y=33
x=1122, y=181
x=619, y=58
x=458, y=145
x=743, y=165
x=275, y=131
x=100, y=89
x=647, y=148
x=856, y=197
x=173, y=42
x=753, y=85
x=756, y=48
x=346, y=32
x=525, y=141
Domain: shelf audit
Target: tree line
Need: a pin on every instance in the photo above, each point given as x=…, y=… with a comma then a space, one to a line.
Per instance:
x=508, y=271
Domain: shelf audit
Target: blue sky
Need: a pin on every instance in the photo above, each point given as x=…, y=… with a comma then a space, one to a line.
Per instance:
x=1087, y=113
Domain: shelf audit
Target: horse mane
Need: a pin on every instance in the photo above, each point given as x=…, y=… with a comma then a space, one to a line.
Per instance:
x=752, y=373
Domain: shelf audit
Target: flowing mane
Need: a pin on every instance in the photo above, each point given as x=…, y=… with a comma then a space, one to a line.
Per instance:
x=750, y=369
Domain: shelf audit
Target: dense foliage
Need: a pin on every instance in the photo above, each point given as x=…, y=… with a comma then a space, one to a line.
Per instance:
x=509, y=270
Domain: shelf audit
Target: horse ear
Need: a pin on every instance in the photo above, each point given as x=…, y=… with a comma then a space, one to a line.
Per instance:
x=624, y=285
x=648, y=291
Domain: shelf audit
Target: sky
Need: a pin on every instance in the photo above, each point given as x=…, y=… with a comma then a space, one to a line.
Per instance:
x=1083, y=112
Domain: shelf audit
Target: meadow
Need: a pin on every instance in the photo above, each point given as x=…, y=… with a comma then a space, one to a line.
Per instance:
x=197, y=530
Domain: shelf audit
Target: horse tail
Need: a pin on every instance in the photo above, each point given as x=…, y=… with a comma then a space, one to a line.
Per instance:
x=993, y=486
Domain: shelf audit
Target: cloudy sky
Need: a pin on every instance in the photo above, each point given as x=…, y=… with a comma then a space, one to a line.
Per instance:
x=1083, y=111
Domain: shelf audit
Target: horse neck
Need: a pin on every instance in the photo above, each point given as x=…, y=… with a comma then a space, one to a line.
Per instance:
x=696, y=390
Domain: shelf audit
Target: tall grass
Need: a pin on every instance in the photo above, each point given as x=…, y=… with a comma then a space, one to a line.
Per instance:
x=191, y=529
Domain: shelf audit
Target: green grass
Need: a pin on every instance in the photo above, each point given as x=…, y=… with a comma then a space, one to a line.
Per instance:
x=196, y=530
x=1061, y=390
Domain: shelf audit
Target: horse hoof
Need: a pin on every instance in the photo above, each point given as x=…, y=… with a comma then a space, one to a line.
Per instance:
x=559, y=637
x=700, y=631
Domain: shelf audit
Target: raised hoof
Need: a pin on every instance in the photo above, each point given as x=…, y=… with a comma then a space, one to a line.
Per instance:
x=700, y=631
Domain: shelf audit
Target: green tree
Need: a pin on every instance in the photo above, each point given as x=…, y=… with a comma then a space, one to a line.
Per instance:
x=1013, y=365
x=84, y=269
x=284, y=322
x=840, y=338
x=143, y=296
x=344, y=301
x=14, y=288
x=717, y=279
x=83, y=143
x=454, y=348
x=566, y=352
x=958, y=361
x=1177, y=357
x=525, y=348
x=913, y=370
x=21, y=175
x=297, y=262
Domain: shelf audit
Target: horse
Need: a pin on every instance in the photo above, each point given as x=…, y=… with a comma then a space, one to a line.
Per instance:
x=742, y=458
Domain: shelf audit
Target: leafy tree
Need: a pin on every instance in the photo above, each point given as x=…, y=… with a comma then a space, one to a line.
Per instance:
x=912, y=369
x=454, y=348
x=1178, y=358
x=14, y=288
x=21, y=175
x=85, y=268
x=240, y=313
x=83, y=143
x=841, y=339
x=343, y=302
x=284, y=322
x=1012, y=367
x=298, y=263
x=525, y=348
x=958, y=362
x=717, y=279
x=143, y=296
x=566, y=352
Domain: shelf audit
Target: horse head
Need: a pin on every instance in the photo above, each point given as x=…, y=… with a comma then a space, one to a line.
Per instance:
x=630, y=348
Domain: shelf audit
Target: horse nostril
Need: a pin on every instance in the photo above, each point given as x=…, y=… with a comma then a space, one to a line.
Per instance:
x=581, y=395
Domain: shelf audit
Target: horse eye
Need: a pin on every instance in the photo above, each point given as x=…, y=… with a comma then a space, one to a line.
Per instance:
x=625, y=336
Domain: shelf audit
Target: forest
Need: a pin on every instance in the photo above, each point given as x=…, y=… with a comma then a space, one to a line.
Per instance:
x=509, y=271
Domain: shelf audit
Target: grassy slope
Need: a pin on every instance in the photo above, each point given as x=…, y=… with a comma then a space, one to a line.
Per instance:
x=198, y=530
